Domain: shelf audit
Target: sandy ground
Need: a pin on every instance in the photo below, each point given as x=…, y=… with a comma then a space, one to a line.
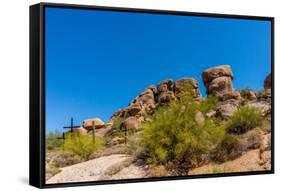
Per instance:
x=252, y=160
x=96, y=169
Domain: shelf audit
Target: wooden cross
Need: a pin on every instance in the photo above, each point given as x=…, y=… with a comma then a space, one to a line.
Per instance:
x=71, y=127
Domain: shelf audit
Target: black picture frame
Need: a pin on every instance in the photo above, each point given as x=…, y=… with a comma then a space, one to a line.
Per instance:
x=37, y=93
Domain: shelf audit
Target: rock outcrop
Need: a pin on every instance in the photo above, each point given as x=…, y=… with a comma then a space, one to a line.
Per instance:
x=88, y=124
x=153, y=97
x=165, y=91
x=131, y=123
x=184, y=84
x=218, y=82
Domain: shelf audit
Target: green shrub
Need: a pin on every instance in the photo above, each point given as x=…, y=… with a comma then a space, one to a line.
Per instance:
x=229, y=148
x=208, y=104
x=118, y=121
x=82, y=145
x=52, y=141
x=244, y=119
x=174, y=135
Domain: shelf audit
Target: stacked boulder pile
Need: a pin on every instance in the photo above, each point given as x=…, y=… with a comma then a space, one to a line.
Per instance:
x=153, y=97
x=218, y=83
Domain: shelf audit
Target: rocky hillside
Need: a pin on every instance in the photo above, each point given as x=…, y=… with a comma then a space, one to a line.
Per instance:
x=234, y=125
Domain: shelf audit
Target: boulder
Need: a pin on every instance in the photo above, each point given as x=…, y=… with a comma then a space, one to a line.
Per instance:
x=226, y=110
x=165, y=97
x=165, y=86
x=248, y=94
x=263, y=106
x=88, y=123
x=215, y=72
x=267, y=82
x=220, y=86
x=199, y=117
x=165, y=91
x=131, y=123
x=218, y=82
x=184, y=84
x=133, y=110
x=79, y=131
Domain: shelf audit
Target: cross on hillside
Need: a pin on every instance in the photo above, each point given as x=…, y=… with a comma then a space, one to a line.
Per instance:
x=71, y=127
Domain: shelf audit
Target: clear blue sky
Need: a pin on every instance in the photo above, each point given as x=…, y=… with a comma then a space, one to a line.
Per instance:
x=98, y=61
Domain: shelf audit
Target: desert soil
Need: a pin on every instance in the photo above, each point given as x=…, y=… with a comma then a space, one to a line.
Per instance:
x=96, y=169
x=252, y=160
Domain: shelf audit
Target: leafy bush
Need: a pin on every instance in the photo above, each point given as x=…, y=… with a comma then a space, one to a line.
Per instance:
x=117, y=122
x=52, y=141
x=208, y=104
x=244, y=119
x=82, y=145
x=229, y=148
x=173, y=134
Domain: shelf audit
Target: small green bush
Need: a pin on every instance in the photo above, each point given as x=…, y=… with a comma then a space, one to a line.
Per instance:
x=244, y=119
x=208, y=104
x=117, y=122
x=82, y=145
x=173, y=135
x=52, y=141
x=229, y=148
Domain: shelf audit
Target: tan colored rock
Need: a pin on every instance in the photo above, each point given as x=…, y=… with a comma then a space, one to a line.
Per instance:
x=166, y=97
x=215, y=72
x=226, y=110
x=165, y=86
x=184, y=84
x=88, y=124
x=199, y=117
x=220, y=86
x=248, y=94
x=218, y=82
x=131, y=123
x=79, y=131
x=133, y=110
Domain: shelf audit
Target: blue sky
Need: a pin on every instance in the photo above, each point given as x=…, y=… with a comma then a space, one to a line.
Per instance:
x=98, y=61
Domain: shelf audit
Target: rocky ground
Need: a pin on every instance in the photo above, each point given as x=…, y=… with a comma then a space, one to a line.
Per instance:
x=115, y=162
x=98, y=169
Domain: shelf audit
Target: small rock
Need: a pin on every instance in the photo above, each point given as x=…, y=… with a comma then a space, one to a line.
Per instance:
x=226, y=110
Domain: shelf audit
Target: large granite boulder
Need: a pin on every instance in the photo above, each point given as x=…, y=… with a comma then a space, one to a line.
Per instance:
x=226, y=110
x=88, y=123
x=131, y=123
x=165, y=91
x=79, y=131
x=218, y=82
x=187, y=84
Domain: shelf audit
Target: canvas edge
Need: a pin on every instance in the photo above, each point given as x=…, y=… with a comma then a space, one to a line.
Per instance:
x=37, y=91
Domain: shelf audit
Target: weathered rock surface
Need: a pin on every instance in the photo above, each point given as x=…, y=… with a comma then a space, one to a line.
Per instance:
x=248, y=94
x=165, y=91
x=226, y=110
x=183, y=84
x=88, y=124
x=218, y=82
x=80, y=131
x=153, y=96
x=263, y=106
x=131, y=123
